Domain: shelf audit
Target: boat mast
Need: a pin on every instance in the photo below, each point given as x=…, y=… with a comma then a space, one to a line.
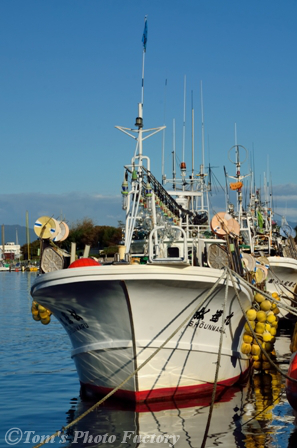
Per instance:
x=202, y=176
x=132, y=197
x=3, y=243
x=192, y=177
x=173, y=156
x=183, y=167
x=163, y=140
x=193, y=144
x=202, y=125
x=28, y=235
x=144, y=41
x=239, y=190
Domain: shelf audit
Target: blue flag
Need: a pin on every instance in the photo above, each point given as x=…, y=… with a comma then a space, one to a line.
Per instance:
x=144, y=37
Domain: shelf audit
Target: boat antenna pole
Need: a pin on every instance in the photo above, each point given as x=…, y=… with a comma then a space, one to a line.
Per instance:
x=173, y=156
x=239, y=191
x=28, y=235
x=163, y=142
x=202, y=177
x=183, y=163
x=139, y=119
x=227, y=190
x=184, y=120
x=192, y=140
x=3, y=243
x=202, y=125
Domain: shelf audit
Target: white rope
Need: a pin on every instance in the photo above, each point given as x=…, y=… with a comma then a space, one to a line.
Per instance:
x=213, y=398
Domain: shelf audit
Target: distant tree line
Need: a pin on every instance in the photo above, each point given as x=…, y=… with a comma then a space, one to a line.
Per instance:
x=83, y=233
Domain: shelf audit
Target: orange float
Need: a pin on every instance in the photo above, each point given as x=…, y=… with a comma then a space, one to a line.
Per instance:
x=84, y=262
x=236, y=185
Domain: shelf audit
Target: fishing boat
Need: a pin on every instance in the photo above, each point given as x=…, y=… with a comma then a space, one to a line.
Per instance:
x=32, y=268
x=158, y=322
x=4, y=266
x=267, y=249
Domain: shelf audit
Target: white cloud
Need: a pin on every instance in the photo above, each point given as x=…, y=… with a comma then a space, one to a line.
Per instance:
x=103, y=210
x=107, y=210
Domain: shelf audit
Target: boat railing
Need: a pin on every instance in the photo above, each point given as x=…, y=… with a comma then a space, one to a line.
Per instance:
x=196, y=231
x=155, y=243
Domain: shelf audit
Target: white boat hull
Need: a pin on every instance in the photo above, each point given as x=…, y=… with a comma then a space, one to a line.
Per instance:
x=282, y=278
x=117, y=316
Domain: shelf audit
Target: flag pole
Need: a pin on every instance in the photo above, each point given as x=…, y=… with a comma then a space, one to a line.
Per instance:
x=144, y=41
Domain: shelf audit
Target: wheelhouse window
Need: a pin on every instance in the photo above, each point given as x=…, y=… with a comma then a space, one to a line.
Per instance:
x=173, y=252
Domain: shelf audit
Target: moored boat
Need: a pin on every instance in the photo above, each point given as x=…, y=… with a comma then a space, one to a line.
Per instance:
x=159, y=322
x=117, y=316
x=4, y=267
x=273, y=248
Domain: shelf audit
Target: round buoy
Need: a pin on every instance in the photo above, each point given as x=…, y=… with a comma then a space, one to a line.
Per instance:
x=84, y=262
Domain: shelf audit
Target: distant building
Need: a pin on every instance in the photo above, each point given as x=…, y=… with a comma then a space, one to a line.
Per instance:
x=12, y=251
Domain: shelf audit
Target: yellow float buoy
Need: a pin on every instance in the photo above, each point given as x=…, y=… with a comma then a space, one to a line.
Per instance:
x=270, y=317
x=46, y=320
x=267, y=336
x=257, y=365
x=251, y=314
x=256, y=350
x=259, y=297
x=41, y=309
x=261, y=316
x=247, y=338
x=246, y=348
x=275, y=296
x=251, y=323
x=265, y=305
x=260, y=327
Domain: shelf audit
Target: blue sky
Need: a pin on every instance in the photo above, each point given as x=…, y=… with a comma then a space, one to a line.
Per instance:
x=71, y=71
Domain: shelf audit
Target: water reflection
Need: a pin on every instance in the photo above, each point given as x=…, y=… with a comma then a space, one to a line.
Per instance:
x=257, y=415
x=180, y=424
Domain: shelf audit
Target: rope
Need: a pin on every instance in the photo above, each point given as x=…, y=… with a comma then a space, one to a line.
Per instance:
x=96, y=405
x=265, y=294
x=218, y=366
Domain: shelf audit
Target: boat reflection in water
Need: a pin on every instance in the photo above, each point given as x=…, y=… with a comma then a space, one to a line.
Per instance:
x=244, y=417
x=174, y=423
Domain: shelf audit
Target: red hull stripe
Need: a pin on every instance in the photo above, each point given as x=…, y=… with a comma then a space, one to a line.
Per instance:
x=158, y=395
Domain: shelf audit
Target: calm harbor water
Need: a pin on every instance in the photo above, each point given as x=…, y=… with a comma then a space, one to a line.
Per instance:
x=40, y=395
